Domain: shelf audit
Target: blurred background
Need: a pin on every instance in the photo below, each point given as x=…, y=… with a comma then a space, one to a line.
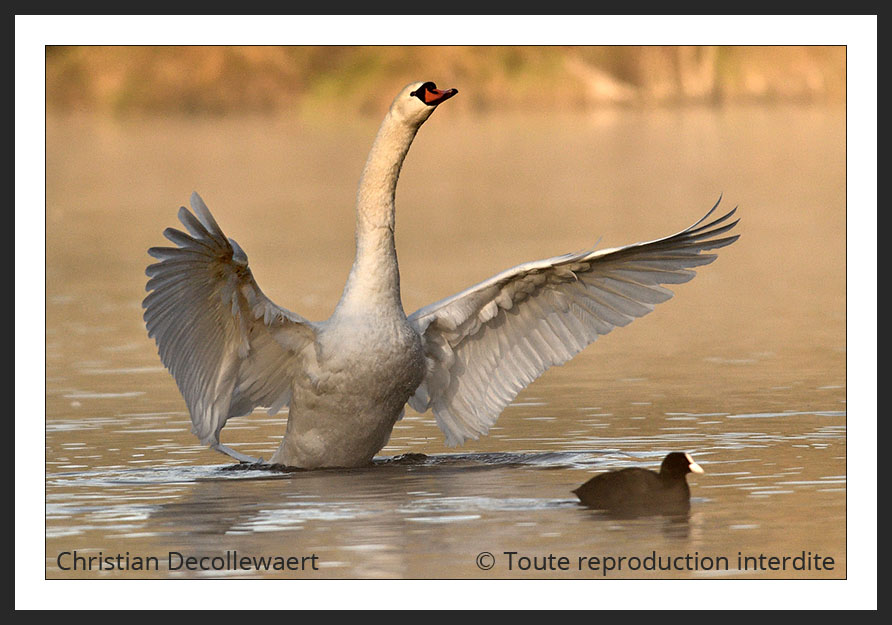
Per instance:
x=562, y=144
x=126, y=80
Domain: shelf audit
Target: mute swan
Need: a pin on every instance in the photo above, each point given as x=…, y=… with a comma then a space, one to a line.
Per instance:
x=346, y=380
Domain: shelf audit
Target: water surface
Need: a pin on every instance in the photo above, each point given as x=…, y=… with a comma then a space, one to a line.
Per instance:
x=744, y=368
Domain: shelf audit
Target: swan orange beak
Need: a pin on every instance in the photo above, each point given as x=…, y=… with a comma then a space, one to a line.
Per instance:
x=435, y=96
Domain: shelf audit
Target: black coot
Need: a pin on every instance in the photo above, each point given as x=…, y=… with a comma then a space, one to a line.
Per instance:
x=641, y=491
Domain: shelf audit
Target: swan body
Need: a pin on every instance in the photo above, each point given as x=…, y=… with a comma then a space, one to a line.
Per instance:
x=346, y=380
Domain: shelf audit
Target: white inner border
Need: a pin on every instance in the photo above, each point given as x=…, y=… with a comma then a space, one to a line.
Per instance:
x=858, y=33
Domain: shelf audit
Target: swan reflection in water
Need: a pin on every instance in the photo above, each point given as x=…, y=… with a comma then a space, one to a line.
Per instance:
x=396, y=505
x=346, y=380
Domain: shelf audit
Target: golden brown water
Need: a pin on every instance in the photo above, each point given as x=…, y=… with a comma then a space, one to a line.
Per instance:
x=744, y=368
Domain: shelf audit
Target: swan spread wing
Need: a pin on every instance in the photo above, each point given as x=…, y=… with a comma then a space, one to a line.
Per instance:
x=228, y=346
x=487, y=343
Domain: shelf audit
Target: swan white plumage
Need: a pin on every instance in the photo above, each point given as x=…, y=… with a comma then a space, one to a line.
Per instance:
x=346, y=380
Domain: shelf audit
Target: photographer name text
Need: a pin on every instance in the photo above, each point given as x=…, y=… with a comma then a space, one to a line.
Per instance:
x=176, y=561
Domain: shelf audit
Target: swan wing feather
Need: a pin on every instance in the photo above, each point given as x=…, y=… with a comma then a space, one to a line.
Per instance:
x=229, y=348
x=487, y=343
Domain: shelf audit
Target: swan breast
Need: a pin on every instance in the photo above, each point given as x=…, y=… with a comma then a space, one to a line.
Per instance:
x=371, y=357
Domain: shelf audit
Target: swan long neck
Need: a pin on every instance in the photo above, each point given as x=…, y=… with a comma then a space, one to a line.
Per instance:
x=374, y=280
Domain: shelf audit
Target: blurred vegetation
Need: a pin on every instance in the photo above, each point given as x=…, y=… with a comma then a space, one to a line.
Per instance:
x=124, y=80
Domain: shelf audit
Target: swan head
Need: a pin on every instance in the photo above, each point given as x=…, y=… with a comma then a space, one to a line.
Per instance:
x=417, y=101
